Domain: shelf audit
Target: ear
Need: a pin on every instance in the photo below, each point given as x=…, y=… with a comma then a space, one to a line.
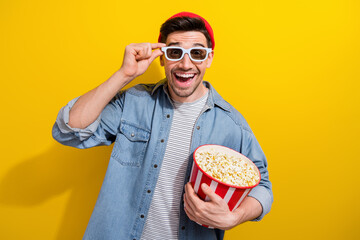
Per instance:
x=162, y=60
x=209, y=60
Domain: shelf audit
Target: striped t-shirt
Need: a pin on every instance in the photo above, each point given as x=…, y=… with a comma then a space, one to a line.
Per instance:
x=163, y=218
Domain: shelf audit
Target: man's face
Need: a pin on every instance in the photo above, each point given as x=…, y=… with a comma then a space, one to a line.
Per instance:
x=185, y=76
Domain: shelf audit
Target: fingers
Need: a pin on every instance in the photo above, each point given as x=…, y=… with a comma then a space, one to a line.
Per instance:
x=210, y=193
x=214, y=213
x=192, y=197
x=142, y=51
x=138, y=57
x=190, y=209
x=190, y=214
x=155, y=54
x=157, y=45
x=193, y=204
x=188, y=204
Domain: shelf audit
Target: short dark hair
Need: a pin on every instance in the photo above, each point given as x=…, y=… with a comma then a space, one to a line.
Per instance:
x=184, y=24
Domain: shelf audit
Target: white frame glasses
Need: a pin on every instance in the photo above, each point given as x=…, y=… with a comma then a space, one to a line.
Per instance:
x=164, y=49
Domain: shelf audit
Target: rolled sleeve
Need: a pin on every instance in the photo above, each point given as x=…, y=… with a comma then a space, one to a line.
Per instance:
x=101, y=132
x=261, y=194
x=62, y=121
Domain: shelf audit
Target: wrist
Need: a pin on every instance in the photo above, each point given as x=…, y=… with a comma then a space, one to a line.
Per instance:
x=248, y=210
x=239, y=215
x=122, y=77
x=232, y=221
x=117, y=81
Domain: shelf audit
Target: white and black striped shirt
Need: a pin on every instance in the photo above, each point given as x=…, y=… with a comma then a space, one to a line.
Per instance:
x=163, y=218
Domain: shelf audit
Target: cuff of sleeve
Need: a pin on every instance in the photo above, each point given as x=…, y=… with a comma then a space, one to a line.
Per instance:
x=261, y=194
x=62, y=121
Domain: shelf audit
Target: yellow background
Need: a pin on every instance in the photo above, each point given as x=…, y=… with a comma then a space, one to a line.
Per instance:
x=290, y=67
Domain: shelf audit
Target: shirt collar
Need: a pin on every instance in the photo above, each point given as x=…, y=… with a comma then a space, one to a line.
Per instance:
x=213, y=99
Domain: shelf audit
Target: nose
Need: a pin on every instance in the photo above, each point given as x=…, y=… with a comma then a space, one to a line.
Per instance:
x=186, y=62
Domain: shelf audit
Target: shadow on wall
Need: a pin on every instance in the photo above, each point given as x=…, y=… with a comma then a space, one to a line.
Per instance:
x=60, y=169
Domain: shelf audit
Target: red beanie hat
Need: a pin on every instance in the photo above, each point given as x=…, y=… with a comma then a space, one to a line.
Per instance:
x=193, y=15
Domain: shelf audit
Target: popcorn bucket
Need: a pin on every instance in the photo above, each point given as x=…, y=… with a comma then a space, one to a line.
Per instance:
x=232, y=194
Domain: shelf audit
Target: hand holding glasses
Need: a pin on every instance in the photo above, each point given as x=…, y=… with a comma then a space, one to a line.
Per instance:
x=196, y=54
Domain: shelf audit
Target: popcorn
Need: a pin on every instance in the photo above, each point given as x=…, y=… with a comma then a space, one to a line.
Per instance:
x=227, y=168
x=227, y=172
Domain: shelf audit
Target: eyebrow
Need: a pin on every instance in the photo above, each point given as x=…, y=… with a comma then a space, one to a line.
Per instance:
x=178, y=43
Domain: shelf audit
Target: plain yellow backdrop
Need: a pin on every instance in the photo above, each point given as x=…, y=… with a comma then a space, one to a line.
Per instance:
x=290, y=67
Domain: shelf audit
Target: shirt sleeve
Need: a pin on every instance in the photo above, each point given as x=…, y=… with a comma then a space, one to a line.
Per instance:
x=62, y=122
x=262, y=192
x=101, y=132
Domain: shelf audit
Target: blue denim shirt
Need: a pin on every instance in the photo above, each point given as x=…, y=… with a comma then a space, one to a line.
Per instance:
x=138, y=120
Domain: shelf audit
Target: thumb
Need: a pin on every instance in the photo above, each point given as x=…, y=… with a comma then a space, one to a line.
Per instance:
x=156, y=53
x=210, y=193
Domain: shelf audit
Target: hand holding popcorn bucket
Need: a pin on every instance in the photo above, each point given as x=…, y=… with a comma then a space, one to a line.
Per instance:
x=229, y=174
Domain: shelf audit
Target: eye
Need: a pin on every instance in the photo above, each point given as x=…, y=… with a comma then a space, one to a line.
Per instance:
x=174, y=53
x=198, y=54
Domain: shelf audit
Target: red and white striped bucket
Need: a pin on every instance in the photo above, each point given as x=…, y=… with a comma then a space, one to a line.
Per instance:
x=232, y=194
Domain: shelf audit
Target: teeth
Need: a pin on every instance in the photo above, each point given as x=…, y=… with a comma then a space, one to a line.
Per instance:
x=188, y=75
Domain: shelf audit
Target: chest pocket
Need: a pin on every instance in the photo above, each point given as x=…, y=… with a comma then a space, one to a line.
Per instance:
x=130, y=145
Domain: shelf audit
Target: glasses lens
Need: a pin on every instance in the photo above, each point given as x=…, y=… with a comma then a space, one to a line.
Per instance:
x=198, y=53
x=174, y=53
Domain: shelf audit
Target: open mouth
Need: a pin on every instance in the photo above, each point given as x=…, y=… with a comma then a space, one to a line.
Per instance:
x=184, y=78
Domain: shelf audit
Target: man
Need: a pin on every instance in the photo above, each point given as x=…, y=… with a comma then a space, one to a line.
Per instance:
x=156, y=128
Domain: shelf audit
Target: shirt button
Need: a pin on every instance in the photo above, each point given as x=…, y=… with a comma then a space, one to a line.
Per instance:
x=133, y=134
x=168, y=116
x=142, y=216
x=155, y=165
x=162, y=140
x=198, y=127
x=183, y=228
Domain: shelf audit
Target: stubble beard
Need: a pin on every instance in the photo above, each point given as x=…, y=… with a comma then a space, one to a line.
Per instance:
x=184, y=92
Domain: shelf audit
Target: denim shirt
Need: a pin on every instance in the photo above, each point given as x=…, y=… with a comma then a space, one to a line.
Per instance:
x=138, y=120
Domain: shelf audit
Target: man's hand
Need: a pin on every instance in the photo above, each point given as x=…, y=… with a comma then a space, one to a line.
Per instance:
x=138, y=57
x=216, y=213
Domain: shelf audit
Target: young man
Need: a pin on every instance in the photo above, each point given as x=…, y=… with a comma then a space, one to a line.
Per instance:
x=156, y=128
